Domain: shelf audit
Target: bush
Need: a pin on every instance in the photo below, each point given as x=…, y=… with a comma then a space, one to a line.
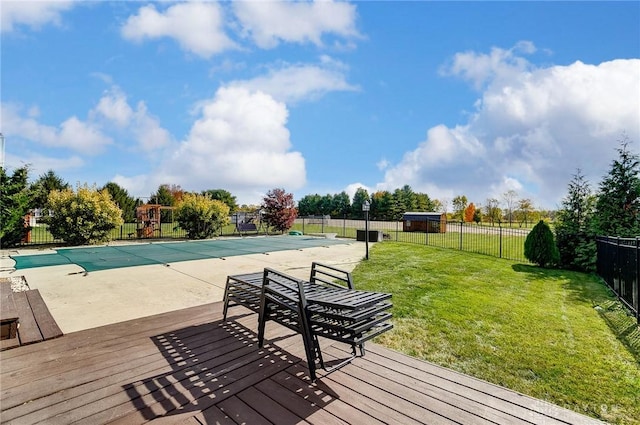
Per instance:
x=86, y=216
x=540, y=247
x=200, y=216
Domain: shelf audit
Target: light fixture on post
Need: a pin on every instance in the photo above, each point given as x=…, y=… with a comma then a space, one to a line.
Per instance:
x=365, y=207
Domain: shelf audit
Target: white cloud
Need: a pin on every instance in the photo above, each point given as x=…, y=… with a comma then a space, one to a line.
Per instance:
x=198, y=27
x=80, y=136
x=112, y=113
x=137, y=186
x=532, y=128
x=294, y=83
x=239, y=142
x=479, y=68
x=269, y=23
x=40, y=164
x=139, y=124
x=114, y=107
x=32, y=13
x=147, y=130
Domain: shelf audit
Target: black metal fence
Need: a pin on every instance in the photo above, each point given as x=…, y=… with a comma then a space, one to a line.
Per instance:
x=495, y=240
x=619, y=265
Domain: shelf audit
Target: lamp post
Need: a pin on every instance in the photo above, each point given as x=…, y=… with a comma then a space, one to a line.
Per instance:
x=365, y=207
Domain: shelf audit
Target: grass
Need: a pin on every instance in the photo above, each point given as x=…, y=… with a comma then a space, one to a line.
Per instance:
x=552, y=334
x=502, y=243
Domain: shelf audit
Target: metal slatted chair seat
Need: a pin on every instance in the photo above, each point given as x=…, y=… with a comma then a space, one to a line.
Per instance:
x=243, y=289
x=349, y=315
x=351, y=333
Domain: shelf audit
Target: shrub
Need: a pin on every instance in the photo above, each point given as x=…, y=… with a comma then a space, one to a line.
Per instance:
x=200, y=216
x=85, y=216
x=540, y=247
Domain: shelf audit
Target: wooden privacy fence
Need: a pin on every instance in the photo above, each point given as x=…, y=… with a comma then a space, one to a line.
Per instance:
x=618, y=264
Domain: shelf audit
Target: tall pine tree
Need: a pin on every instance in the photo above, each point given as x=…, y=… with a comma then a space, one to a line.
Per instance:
x=618, y=206
x=574, y=226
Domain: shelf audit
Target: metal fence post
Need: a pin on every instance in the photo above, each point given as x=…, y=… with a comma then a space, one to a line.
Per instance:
x=617, y=271
x=637, y=281
x=460, y=235
x=344, y=225
x=500, y=227
x=426, y=233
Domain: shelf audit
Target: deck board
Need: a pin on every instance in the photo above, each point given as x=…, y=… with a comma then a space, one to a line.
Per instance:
x=189, y=367
x=28, y=331
x=46, y=323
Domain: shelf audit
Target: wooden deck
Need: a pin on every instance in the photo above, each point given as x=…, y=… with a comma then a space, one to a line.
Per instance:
x=27, y=316
x=190, y=367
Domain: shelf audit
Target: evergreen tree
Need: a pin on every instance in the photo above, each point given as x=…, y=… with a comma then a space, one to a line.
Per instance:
x=539, y=246
x=224, y=196
x=309, y=205
x=618, y=206
x=341, y=204
x=424, y=203
x=409, y=198
x=164, y=196
x=14, y=205
x=359, y=197
x=126, y=203
x=41, y=188
x=326, y=204
x=574, y=226
x=381, y=202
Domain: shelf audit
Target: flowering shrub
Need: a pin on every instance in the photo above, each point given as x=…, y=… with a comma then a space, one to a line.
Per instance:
x=200, y=216
x=86, y=216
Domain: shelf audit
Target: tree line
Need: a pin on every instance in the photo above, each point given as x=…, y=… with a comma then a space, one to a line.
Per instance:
x=614, y=210
x=88, y=213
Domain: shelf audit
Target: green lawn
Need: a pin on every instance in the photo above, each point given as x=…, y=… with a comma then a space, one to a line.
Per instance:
x=552, y=334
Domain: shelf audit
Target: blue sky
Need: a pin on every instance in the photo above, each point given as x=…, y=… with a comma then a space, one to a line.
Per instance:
x=451, y=98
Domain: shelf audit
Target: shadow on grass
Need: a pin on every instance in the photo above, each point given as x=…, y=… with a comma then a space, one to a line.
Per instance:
x=581, y=287
x=591, y=289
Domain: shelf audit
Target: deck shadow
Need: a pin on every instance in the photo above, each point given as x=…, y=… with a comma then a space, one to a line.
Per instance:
x=213, y=367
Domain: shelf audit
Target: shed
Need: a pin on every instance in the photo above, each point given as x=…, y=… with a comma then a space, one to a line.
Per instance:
x=430, y=222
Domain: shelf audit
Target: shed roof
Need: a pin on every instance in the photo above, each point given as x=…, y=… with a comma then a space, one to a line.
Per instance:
x=422, y=216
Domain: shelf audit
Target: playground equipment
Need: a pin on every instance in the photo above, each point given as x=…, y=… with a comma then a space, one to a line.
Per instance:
x=148, y=220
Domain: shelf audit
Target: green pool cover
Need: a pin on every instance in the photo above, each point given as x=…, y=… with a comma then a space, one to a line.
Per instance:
x=111, y=257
